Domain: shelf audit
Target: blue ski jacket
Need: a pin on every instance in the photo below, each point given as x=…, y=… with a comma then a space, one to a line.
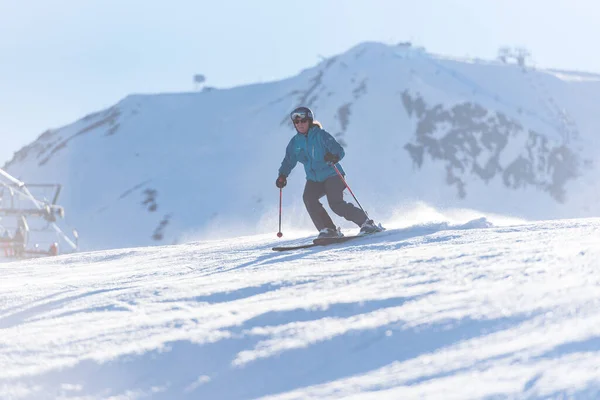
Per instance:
x=310, y=150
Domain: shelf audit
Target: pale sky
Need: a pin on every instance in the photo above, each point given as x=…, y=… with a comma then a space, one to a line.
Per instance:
x=63, y=59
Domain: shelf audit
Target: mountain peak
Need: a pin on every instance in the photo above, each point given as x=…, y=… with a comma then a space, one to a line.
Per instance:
x=157, y=169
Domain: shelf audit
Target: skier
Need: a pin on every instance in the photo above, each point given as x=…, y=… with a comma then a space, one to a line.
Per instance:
x=19, y=241
x=53, y=250
x=6, y=244
x=318, y=151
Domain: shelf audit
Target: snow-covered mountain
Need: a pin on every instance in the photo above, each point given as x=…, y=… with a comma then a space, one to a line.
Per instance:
x=434, y=311
x=417, y=127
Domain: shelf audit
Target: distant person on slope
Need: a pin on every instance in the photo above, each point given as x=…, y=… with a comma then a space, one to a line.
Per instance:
x=318, y=151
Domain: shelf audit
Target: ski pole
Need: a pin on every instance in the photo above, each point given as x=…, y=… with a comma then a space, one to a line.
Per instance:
x=279, y=234
x=348, y=187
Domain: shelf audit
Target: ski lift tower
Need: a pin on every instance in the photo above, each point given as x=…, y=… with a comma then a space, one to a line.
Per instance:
x=28, y=220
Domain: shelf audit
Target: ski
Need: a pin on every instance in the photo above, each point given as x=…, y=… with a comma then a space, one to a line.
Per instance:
x=324, y=242
x=286, y=248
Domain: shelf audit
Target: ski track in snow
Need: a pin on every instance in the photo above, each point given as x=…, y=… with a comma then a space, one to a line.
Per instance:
x=436, y=311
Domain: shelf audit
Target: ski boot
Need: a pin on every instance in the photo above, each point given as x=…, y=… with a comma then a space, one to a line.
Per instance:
x=369, y=227
x=330, y=233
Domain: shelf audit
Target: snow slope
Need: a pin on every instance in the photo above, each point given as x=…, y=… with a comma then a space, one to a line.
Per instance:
x=437, y=310
x=417, y=127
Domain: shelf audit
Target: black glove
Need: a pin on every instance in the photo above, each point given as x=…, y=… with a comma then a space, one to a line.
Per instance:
x=281, y=181
x=332, y=158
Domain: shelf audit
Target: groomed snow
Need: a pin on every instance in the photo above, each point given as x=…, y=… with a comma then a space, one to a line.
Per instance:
x=436, y=311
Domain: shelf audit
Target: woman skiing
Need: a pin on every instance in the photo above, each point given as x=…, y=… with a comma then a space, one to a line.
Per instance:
x=318, y=151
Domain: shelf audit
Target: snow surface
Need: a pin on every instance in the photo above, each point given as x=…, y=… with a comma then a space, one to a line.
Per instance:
x=437, y=310
x=461, y=298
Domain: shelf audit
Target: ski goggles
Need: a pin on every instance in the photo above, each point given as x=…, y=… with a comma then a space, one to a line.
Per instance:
x=298, y=115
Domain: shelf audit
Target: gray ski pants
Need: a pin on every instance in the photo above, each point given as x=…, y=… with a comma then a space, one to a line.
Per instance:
x=333, y=188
